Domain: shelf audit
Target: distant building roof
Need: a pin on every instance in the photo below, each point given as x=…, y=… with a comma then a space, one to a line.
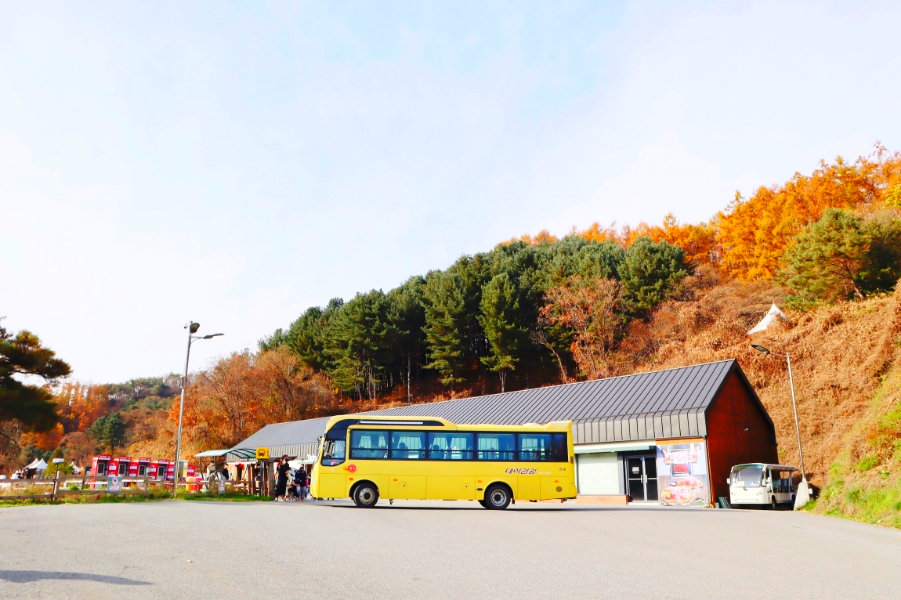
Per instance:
x=294, y=438
x=660, y=404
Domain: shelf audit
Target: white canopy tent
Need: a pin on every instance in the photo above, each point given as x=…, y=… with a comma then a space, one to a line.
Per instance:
x=38, y=464
x=772, y=316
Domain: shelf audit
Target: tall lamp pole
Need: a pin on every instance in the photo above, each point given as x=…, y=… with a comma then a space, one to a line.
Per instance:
x=192, y=328
x=803, y=495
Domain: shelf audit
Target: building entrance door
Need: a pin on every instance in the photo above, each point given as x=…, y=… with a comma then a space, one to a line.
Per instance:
x=641, y=478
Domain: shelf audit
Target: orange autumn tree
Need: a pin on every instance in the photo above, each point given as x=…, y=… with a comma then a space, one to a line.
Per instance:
x=542, y=237
x=592, y=308
x=754, y=233
x=697, y=241
x=45, y=440
x=239, y=394
x=81, y=404
x=596, y=233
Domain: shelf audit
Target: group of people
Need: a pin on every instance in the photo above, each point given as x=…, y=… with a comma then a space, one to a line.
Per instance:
x=291, y=483
x=23, y=473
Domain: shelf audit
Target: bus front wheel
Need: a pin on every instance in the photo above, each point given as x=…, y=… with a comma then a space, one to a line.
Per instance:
x=366, y=495
x=497, y=497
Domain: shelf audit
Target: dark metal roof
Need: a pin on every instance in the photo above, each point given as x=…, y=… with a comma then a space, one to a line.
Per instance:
x=661, y=404
x=294, y=438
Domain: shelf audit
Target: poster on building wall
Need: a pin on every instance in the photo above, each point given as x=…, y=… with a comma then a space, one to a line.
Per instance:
x=682, y=474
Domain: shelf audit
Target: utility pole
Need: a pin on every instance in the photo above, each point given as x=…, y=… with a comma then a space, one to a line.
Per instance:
x=192, y=328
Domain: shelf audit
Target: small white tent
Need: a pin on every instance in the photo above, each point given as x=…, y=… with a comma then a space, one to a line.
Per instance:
x=772, y=315
x=37, y=464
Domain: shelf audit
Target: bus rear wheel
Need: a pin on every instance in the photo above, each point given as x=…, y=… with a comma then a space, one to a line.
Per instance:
x=366, y=495
x=497, y=497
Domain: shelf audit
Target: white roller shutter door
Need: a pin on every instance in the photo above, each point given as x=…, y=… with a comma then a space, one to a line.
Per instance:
x=598, y=474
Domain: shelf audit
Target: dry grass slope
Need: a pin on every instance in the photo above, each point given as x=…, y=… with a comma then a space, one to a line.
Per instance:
x=847, y=368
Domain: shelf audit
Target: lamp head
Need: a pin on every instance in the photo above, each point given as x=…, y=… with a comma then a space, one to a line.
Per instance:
x=194, y=327
x=760, y=349
x=212, y=335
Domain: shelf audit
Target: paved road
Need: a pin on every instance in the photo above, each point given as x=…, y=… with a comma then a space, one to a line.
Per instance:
x=437, y=550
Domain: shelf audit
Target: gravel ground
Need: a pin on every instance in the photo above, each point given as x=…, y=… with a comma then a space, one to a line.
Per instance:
x=437, y=550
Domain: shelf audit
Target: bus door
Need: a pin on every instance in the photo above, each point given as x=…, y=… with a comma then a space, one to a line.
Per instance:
x=779, y=484
x=331, y=473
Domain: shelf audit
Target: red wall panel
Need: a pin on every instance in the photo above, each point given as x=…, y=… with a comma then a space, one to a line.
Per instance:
x=728, y=443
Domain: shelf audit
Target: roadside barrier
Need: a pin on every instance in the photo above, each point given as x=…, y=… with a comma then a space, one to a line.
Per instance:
x=82, y=485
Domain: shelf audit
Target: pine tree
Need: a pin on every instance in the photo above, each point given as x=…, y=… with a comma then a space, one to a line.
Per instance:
x=841, y=256
x=358, y=344
x=446, y=325
x=406, y=313
x=505, y=325
x=23, y=355
x=650, y=272
x=307, y=335
x=114, y=431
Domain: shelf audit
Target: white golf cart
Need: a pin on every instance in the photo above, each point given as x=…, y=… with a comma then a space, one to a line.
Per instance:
x=760, y=484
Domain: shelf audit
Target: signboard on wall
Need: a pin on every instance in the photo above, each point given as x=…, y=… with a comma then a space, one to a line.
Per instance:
x=682, y=476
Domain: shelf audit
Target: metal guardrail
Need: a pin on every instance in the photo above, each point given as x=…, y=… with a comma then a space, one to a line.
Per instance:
x=61, y=486
x=87, y=485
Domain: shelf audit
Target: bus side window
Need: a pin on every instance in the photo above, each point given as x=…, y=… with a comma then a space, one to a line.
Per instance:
x=496, y=446
x=407, y=445
x=561, y=448
x=455, y=445
x=365, y=443
x=535, y=446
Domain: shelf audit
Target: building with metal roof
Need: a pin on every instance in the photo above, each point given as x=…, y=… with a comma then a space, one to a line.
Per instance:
x=688, y=421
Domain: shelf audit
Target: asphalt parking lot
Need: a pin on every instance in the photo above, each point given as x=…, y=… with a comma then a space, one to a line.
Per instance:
x=437, y=550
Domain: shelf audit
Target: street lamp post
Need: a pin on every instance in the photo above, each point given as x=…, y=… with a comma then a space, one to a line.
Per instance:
x=192, y=328
x=803, y=495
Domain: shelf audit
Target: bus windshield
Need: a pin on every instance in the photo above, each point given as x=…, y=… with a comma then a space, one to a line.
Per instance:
x=333, y=452
x=747, y=475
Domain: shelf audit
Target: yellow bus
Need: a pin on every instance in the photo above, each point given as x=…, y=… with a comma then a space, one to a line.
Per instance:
x=426, y=458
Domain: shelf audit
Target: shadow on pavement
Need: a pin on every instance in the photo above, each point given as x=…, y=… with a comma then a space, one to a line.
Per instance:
x=30, y=576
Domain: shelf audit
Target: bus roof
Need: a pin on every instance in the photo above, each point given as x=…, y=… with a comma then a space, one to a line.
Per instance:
x=366, y=420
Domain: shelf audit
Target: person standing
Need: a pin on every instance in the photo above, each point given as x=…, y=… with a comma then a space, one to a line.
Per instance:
x=281, y=483
x=223, y=477
x=300, y=480
x=306, y=483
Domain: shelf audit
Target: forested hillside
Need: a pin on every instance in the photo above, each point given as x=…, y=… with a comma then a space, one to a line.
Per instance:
x=538, y=310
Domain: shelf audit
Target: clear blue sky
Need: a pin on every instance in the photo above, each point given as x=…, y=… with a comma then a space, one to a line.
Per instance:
x=235, y=163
